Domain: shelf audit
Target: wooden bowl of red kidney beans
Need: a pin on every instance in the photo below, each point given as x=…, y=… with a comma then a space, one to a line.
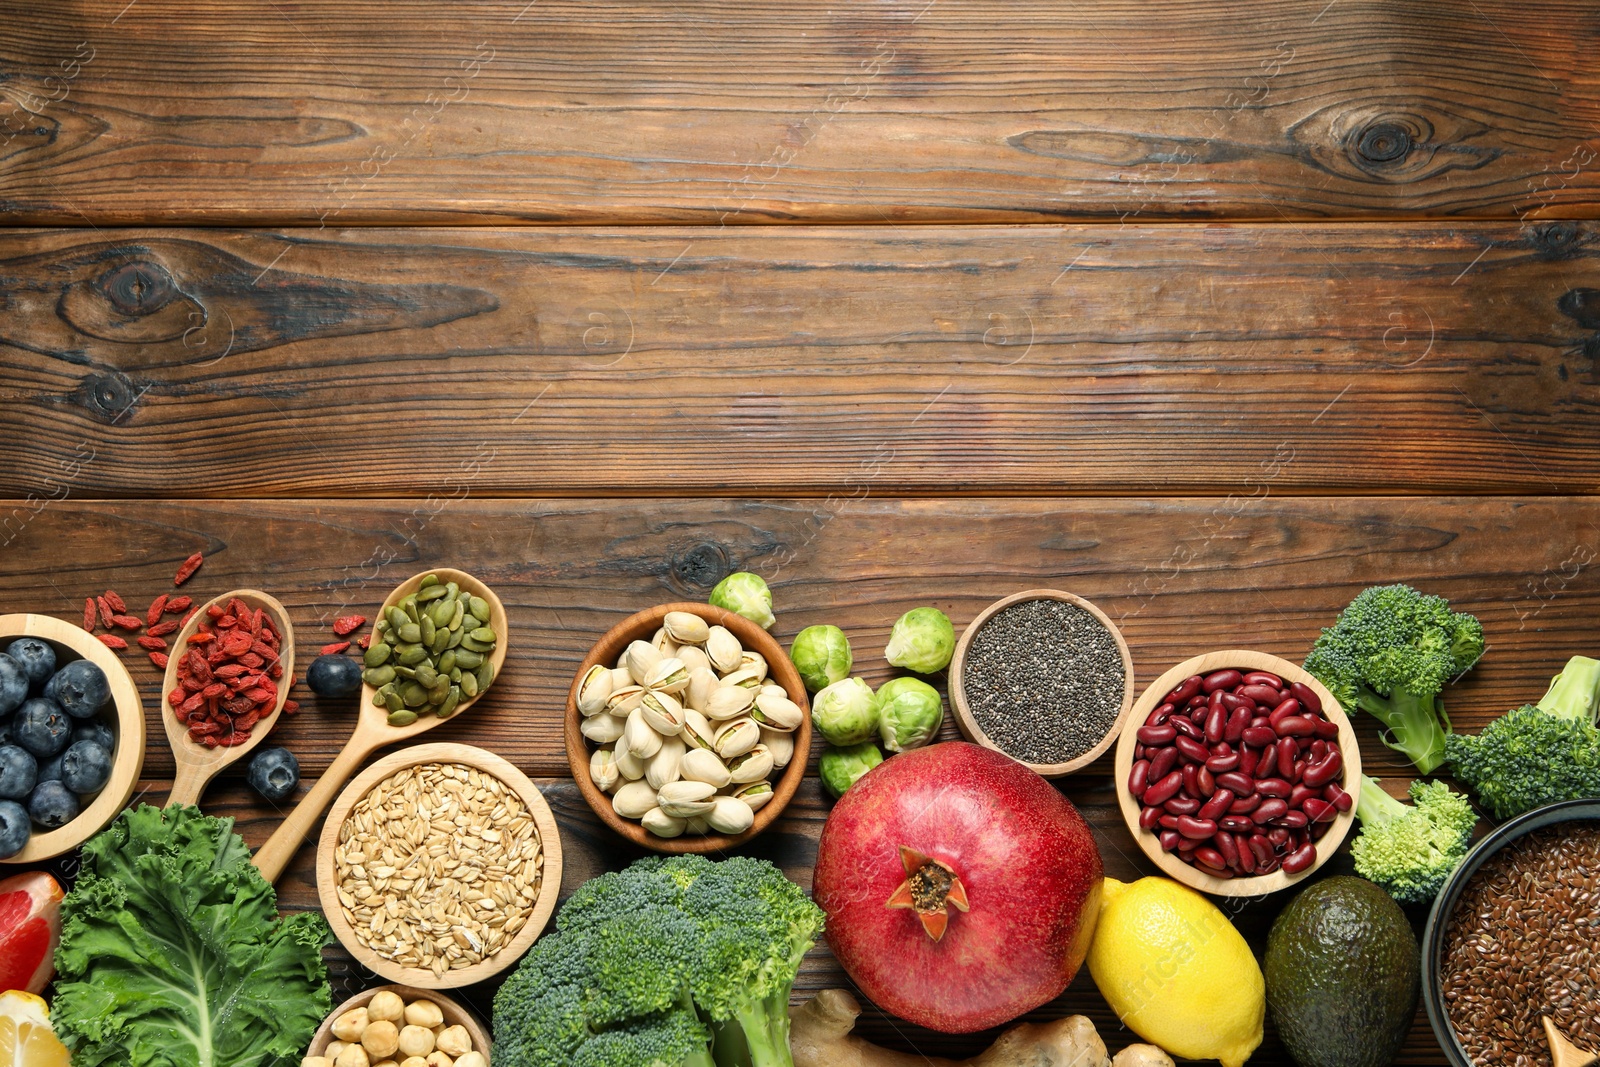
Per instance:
x=1238, y=773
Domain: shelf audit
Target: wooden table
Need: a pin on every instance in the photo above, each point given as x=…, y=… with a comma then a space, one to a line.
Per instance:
x=1213, y=313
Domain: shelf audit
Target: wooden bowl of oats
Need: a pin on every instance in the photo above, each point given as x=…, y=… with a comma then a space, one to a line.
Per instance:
x=438, y=866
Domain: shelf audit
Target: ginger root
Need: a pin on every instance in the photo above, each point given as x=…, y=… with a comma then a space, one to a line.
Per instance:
x=1142, y=1056
x=819, y=1036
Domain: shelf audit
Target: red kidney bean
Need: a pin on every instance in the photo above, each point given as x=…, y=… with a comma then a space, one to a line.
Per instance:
x=1295, y=726
x=1300, y=859
x=1317, y=750
x=1226, y=845
x=1198, y=829
x=1219, y=804
x=1320, y=828
x=1245, y=805
x=1216, y=725
x=1181, y=805
x=1167, y=822
x=1223, y=764
x=1190, y=786
x=1187, y=844
x=1157, y=735
x=1149, y=818
x=1164, y=790
x=1336, y=796
x=1307, y=696
x=1286, y=752
x=1247, y=858
x=1138, y=778
x=1162, y=762
x=1299, y=795
x=1183, y=726
x=1186, y=689
x=1198, y=717
x=1240, y=784
x=1259, y=736
x=1263, y=678
x=1261, y=845
x=1237, y=824
x=1170, y=839
x=1235, y=703
x=1260, y=720
x=1248, y=757
x=1269, y=868
x=1233, y=732
x=1267, y=765
x=1300, y=766
x=1265, y=695
x=1211, y=858
x=1279, y=837
x=1295, y=820
x=1320, y=774
x=1273, y=787
x=1160, y=715
x=1198, y=700
x=1318, y=810
x=1192, y=748
x=1225, y=679
x=1271, y=808
x=1327, y=730
x=1206, y=781
x=1139, y=752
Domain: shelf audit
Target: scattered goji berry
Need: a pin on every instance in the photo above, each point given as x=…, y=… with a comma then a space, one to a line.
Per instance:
x=112, y=641
x=127, y=622
x=187, y=569
x=118, y=605
x=334, y=649
x=348, y=624
x=162, y=629
x=89, y=613
x=177, y=605
x=159, y=659
x=366, y=641
x=105, y=612
x=291, y=706
x=157, y=606
x=151, y=644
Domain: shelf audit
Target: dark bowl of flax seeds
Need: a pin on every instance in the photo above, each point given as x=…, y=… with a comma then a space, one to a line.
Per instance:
x=1515, y=937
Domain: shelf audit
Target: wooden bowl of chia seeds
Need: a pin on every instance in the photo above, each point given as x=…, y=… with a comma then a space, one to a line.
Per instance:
x=1044, y=677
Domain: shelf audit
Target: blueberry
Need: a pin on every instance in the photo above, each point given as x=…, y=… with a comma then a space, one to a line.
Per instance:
x=333, y=676
x=96, y=731
x=13, y=684
x=41, y=728
x=52, y=805
x=50, y=769
x=36, y=658
x=85, y=767
x=274, y=773
x=14, y=828
x=19, y=772
x=80, y=688
x=8, y=731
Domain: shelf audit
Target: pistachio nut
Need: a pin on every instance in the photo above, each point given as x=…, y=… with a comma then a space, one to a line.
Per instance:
x=777, y=711
x=702, y=682
x=668, y=676
x=756, y=794
x=642, y=659
x=754, y=661
x=737, y=737
x=631, y=767
x=781, y=744
x=694, y=658
x=686, y=628
x=730, y=815
x=698, y=732
x=685, y=800
x=594, y=690
x=639, y=737
x=729, y=702
x=620, y=678
x=633, y=800
x=753, y=766
x=744, y=677
x=697, y=826
x=664, y=766
x=661, y=824
x=723, y=648
x=662, y=712
x=622, y=664
x=621, y=701
x=602, y=729
x=703, y=765
x=603, y=770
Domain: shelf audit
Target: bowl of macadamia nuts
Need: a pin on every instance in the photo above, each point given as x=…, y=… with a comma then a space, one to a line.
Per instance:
x=398, y=1026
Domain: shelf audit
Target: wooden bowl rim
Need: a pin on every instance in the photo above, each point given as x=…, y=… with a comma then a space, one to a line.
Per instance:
x=126, y=762
x=454, y=1013
x=639, y=626
x=958, y=696
x=1253, y=885
x=482, y=760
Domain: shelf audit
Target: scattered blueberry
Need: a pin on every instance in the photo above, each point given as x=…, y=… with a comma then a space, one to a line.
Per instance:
x=80, y=688
x=96, y=731
x=52, y=805
x=36, y=658
x=333, y=676
x=50, y=769
x=19, y=772
x=85, y=767
x=41, y=728
x=13, y=684
x=14, y=828
x=274, y=773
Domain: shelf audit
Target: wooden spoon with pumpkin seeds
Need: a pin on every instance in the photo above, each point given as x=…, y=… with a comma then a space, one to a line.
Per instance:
x=374, y=728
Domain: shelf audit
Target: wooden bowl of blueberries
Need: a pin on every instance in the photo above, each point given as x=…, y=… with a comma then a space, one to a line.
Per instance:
x=71, y=737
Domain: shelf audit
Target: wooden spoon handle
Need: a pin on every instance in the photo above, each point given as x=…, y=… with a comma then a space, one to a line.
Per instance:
x=272, y=857
x=187, y=787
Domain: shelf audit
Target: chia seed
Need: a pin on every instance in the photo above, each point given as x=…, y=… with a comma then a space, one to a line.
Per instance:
x=1043, y=679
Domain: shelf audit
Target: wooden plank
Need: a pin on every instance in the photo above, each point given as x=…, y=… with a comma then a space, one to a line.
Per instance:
x=1180, y=575
x=846, y=361
x=721, y=113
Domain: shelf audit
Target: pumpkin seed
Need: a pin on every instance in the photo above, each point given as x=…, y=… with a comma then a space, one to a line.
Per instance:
x=479, y=607
x=472, y=644
x=413, y=655
x=427, y=580
x=484, y=635
x=426, y=676
x=376, y=655
x=485, y=675
x=468, y=682
x=447, y=661
x=397, y=618
x=430, y=592
x=469, y=659
x=402, y=717
x=376, y=676
x=411, y=633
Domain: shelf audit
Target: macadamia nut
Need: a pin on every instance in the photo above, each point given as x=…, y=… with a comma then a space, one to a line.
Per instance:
x=380, y=1039
x=424, y=1013
x=348, y=1026
x=416, y=1041
x=386, y=1006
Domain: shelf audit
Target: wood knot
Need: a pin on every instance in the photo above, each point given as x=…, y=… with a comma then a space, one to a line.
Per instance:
x=1383, y=142
x=1391, y=143
x=1581, y=306
x=137, y=288
x=106, y=396
x=1556, y=240
x=696, y=568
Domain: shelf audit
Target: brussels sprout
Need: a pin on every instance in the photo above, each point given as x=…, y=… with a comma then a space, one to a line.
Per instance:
x=846, y=712
x=822, y=656
x=922, y=641
x=910, y=713
x=840, y=767
x=745, y=594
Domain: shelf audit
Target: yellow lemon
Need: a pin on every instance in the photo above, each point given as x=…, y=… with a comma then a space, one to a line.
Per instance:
x=26, y=1039
x=1176, y=972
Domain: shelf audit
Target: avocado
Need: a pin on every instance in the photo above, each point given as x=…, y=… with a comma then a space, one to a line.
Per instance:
x=1342, y=975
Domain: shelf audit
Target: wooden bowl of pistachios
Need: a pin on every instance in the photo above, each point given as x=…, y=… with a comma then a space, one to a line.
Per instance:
x=688, y=728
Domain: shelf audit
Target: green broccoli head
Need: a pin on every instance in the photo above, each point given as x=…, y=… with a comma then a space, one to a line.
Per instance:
x=1526, y=759
x=673, y=1039
x=1390, y=653
x=1410, y=851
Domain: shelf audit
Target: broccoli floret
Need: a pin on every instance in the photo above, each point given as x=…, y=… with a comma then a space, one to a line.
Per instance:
x=1410, y=851
x=1540, y=753
x=1389, y=653
x=664, y=964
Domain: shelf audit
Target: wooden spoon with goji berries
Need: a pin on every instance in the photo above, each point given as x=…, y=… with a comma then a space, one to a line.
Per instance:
x=227, y=678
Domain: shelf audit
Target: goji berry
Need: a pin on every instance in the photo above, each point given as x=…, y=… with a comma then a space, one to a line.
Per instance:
x=291, y=706
x=227, y=622
x=233, y=739
x=112, y=641
x=178, y=604
x=118, y=605
x=247, y=721
x=215, y=689
x=334, y=649
x=238, y=705
x=348, y=624
x=230, y=670
x=105, y=612
x=202, y=637
x=159, y=659
x=162, y=629
x=216, y=611
x=251, y=660
x=238, y=608
x=127, y=622
x=157, y=606
x=152, y=644
x=187, y=569
x=89, y=613
x=194, y=703
x=187, y=616
x=210, y=741
x=236, y=644
x=265, y=651
x=261, y=696
x=177, y=696
x=366, y=641
x=276, y=670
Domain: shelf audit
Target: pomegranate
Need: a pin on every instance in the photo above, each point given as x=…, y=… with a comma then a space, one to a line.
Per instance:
x=30, y=929
x=961, y=888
